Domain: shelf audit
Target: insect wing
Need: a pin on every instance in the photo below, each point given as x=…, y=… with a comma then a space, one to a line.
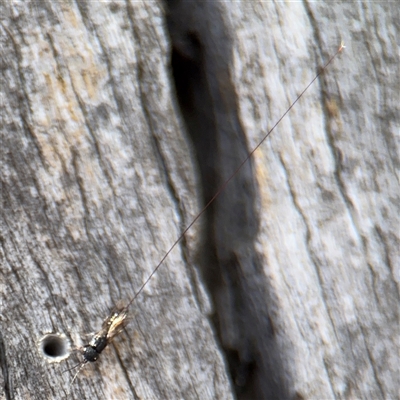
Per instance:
x=114, y=324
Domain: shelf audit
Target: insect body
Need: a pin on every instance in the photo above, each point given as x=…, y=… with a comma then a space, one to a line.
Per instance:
x=111, y=327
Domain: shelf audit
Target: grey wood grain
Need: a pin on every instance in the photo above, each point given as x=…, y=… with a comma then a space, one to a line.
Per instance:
x=328, y=245
x=300, y=254
x=97, y=183
x=308, y=304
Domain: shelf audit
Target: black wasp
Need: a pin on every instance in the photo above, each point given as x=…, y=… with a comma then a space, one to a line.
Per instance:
x=112, y=326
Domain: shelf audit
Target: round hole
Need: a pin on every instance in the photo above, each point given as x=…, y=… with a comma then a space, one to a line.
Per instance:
x=54, y=347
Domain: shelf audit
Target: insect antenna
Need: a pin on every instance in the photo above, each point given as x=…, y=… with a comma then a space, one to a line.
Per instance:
x=80, y=365
x=240, y=166
x=115, y=322
x=75, y=366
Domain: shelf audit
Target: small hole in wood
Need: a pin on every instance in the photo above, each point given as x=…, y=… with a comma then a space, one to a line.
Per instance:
x=54, y=347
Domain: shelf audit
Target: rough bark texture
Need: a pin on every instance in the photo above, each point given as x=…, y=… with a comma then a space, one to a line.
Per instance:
x=308, y=306
x=300, y=253
x=97, y=183
x=329, y=185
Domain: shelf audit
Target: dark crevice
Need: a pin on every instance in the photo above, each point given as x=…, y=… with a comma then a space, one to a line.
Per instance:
x=142, y=67
x=201, y=63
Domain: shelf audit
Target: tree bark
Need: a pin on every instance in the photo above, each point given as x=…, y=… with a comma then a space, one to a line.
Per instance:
x=97, y=183
x=300, y=253
x=329, y=189
x=308, y=303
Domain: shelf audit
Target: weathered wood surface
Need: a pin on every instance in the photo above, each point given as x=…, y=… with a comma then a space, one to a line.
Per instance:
x=98, y=181
x=308, y=307
x=329, y=184
x=97, y=184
